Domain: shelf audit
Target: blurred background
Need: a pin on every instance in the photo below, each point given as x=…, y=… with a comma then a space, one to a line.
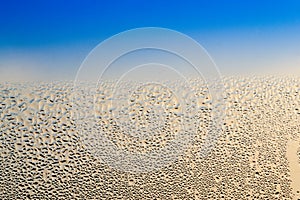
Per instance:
x=48, y=40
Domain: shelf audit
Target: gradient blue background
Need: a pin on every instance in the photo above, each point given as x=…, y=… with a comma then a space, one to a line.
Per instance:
x=51, y=38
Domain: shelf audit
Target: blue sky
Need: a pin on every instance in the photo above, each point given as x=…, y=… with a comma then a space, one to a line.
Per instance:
x=53, y=37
